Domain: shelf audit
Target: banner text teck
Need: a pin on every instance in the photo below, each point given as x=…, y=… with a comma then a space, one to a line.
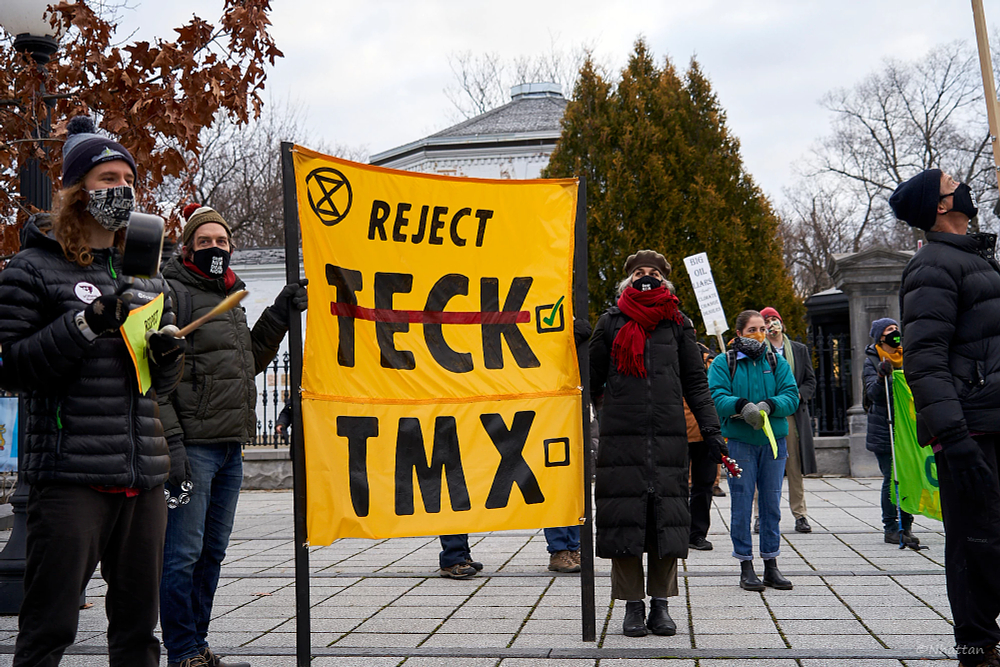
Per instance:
x=440, y=389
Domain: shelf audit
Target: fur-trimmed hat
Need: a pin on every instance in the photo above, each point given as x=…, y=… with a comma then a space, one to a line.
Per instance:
x=915, y=201
x=649, y=258
x=196, y=216
x=84, y=149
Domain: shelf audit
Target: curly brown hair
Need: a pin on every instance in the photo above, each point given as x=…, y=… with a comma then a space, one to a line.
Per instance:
x=68, y=225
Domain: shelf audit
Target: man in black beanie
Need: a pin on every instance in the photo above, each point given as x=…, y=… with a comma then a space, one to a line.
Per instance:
x=950, y=306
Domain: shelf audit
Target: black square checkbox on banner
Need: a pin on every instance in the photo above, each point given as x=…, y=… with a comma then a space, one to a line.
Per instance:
x=553, y=448
x=546, y=316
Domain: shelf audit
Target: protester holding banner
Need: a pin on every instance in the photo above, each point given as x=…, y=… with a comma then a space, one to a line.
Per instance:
x=950, y=306
x=93, y=447
x=209, y=419
x=881, y=358
x=751, y=385
x=646, y=361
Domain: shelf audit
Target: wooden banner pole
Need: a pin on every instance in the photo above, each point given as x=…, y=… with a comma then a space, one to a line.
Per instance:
x=989, y=85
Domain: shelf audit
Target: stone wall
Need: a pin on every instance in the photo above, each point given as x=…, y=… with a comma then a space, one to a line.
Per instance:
x=267, y=469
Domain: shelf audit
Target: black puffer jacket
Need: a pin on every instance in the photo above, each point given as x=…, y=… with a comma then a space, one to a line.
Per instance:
x=86, y=422
x=950, y=306
x=216, y=399
x=877, y=439
x=644, y=446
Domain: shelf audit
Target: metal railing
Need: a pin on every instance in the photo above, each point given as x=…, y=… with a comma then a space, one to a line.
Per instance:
x=273, y=397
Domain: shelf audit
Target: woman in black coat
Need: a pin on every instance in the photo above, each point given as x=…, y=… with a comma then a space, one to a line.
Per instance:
x=645, y=359
x=881, y=358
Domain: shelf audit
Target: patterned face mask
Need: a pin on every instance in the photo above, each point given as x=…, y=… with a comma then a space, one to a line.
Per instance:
x=111, y=207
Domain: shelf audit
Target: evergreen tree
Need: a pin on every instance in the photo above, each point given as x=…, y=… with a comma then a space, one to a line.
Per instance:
x=663, y=172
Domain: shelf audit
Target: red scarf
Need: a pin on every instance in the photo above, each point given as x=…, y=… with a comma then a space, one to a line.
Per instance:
x=228, y=278
x=646, y=310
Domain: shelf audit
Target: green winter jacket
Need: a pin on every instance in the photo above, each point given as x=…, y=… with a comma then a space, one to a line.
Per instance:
x=753, y=381
x=216, y=399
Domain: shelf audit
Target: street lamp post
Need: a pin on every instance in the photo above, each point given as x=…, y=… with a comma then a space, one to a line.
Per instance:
x=34, y=36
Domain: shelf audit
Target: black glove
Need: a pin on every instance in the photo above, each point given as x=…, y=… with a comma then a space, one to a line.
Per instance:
x=164, y=347
x=107, y=313
x=581, y=331
x=885, y=369
x=968, y=468
x=716, y=448
x=291, y=295
x=180, y=467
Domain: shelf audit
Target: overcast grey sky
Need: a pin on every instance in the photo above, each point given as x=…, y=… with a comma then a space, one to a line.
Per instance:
x=373, y=72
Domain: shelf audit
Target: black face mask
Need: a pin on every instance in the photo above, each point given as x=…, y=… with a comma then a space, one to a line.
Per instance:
x=646, y=283
x=212, y=261
x=964, y=201
x=892, y=339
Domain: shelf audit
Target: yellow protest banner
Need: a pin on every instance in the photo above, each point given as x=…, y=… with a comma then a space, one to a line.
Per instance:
x=139, y=322
x=440, y=390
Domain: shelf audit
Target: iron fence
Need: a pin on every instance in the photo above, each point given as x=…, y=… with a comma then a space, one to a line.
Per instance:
x=831, y=356
x=274, y=395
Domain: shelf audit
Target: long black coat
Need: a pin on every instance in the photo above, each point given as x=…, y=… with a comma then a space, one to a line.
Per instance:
x=950, y=306
x=85, y=420
x=644, y=450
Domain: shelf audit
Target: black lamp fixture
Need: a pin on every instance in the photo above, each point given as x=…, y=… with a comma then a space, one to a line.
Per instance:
x=27, y=22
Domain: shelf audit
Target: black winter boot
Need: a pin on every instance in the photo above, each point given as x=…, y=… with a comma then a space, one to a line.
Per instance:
x=773, y=577
x=659, y=621
x=634, y=624
x=748, y=578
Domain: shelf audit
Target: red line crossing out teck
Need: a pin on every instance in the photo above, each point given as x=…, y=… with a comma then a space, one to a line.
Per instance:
x=429, y=316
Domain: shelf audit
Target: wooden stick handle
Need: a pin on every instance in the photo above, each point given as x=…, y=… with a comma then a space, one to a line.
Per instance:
x=989, y=85
x=224, y=306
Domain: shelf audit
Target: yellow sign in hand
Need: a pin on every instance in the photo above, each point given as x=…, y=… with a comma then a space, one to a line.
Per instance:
x=140, y=321
x=770, y=434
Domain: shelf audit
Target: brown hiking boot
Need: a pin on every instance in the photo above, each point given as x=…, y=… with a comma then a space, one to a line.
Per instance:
x=576, y=556
x=563, y=561
x=458, y=571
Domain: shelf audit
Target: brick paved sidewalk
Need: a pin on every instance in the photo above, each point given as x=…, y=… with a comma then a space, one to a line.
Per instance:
x=857, y=601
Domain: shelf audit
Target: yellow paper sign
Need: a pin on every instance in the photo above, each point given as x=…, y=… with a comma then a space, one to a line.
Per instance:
x=441, y=391
x=770, y=434
x=139, y=321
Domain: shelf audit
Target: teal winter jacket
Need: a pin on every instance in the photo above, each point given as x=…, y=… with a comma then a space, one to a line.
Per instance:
x=753, y=381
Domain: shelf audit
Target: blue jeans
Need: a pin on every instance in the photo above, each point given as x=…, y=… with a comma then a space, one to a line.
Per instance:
x=563, y=539
x=197, y=537
x=890, y=521
x=763, y=471
x=454, y=550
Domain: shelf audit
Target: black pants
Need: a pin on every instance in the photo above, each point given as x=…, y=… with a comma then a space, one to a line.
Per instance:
x=972, y=551
x=703, y=471
x=70, y=528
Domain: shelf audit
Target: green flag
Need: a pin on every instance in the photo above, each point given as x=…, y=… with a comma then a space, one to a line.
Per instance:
x=916, y=468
